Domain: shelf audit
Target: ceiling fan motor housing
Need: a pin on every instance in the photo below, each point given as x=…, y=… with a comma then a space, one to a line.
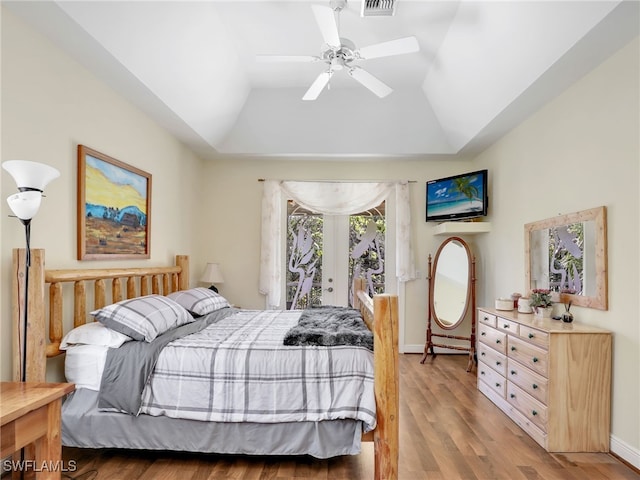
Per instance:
x=341, y=57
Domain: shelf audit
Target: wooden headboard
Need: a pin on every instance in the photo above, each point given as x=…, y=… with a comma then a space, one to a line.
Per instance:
x=86, y=283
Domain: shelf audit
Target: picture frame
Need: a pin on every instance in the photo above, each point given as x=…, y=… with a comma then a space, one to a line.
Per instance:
x=114, y=208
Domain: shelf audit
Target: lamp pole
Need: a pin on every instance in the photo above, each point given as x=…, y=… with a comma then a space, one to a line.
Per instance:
x=25, y=316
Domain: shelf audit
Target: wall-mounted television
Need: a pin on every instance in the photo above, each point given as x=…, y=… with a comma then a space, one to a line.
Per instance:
x=457, y=197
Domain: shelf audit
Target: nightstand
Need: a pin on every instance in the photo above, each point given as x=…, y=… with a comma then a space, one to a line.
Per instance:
x=30, y=413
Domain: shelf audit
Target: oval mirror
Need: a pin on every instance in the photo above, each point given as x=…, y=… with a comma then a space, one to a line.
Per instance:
x=451, y=282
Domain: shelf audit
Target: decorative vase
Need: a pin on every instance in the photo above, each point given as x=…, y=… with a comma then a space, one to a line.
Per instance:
x=541, y=312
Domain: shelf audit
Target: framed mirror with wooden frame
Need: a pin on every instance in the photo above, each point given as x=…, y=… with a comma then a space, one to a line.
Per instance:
x=567, y=254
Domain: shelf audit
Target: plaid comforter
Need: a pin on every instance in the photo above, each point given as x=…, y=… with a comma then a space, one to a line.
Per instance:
x=238, y=370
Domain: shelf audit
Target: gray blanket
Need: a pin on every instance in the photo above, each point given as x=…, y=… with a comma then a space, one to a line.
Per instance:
x=328, y=326
x=128, y=368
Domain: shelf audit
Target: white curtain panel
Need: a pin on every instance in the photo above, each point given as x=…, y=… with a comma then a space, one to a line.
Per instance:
x=328, y=198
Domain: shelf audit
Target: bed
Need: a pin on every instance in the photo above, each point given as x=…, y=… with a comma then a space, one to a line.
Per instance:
x=323, y=431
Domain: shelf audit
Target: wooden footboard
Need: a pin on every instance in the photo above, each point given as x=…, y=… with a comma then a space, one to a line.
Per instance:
x=381, y=316
x=104, y=286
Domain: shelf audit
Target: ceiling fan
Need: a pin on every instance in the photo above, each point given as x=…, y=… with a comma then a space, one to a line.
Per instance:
x=341, y=53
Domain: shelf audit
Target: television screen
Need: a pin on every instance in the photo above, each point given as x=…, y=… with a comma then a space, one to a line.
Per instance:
x=457, y=197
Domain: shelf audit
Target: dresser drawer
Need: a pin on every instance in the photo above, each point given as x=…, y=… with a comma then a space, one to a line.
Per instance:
x=507, y=326
x=492, y=337
x=528, y=426
x=527, y=405
x=535, y=336
x=492, y=379
x=532, y=383
x=528, y=355
x=486, y=318
x=493, y=359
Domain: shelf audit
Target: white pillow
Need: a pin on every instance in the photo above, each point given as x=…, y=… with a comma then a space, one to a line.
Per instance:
x=93, y=333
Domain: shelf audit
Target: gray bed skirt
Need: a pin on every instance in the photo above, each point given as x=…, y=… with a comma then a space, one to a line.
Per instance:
x=86, y=427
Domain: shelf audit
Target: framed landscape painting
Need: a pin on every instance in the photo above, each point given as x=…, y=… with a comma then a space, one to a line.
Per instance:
x=114, y=208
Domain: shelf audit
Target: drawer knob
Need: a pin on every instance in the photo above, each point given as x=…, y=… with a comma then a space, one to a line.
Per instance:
x=498, y=363
x=531, y=335
x=482, y=354
x=486, y=319
x=513, y=372
x=497, y=384
x=513, y=349
x=498, y=341
x=534, y=386
x=505, y=326
x=535, y=359
x=534, y=413
x=482, y=372
x=513, y=395
x=483, y=334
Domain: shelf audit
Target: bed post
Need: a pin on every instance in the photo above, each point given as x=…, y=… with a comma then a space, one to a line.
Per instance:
x=385, y=357
x=36, y=346
x=182, y=261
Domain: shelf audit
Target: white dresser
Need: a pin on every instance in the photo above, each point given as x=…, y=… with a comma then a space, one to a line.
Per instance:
x=552, y=378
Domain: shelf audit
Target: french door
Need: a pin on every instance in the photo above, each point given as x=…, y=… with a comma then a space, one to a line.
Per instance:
x=325, y=252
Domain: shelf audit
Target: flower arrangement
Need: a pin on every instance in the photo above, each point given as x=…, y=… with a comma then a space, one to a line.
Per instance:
x=541, y=297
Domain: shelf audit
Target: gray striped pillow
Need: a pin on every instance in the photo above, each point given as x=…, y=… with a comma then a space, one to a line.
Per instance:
x=199, y=301
x=143, y=318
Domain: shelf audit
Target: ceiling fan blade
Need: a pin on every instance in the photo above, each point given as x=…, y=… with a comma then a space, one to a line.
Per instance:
x=369, y=81
x=318, y=85
x=392, y=47
x=328, y=26
x=286, y=58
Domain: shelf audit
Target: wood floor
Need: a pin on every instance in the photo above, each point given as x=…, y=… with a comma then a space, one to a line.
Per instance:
x=448, y=431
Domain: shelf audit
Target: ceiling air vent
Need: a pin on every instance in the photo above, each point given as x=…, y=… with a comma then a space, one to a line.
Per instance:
x=378, y=8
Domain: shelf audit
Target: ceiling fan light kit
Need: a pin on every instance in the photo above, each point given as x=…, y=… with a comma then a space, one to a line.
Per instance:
x=340, y=53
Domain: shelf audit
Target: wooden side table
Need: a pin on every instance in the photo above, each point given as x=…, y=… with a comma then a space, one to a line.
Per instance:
x=30, y=413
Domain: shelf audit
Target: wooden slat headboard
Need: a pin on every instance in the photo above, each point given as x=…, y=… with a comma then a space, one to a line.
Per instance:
x=137, y=282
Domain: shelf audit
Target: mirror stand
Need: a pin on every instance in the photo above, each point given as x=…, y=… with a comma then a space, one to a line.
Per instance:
x=435, y=272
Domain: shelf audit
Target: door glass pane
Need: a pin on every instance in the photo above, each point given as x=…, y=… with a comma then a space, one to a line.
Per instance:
x=304, y=257
x=363, y=251
x=366, y=249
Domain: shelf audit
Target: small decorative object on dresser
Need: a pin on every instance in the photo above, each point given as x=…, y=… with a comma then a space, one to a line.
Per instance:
x=552, y=379
x=541, y=302
x=504, y=304
x=567, y=316
x=524, y=305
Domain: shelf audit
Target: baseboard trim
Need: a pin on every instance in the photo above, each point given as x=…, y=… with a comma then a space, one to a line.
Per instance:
x=625, y=452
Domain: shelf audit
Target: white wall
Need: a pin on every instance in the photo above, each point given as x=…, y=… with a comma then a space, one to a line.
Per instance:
x=579, y=151
x=49, y=105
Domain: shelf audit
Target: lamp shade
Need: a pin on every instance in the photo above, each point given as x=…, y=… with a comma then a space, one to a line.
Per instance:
x=212, y=274
x=30, y=175
x=25, y=205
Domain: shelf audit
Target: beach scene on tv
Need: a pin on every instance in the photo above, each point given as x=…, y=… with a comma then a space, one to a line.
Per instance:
x=456, y=196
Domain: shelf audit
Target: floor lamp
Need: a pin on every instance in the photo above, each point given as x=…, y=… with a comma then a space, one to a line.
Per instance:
x=31, y=178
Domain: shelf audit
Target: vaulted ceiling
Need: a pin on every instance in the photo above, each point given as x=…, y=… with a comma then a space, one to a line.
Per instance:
x=482, y=67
